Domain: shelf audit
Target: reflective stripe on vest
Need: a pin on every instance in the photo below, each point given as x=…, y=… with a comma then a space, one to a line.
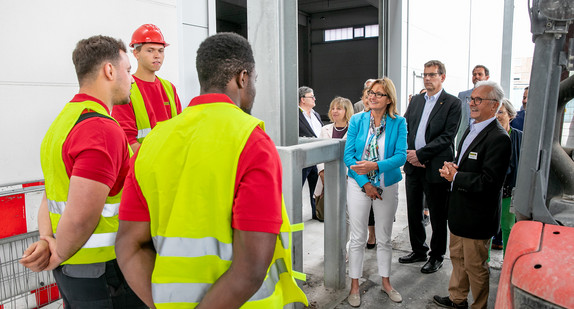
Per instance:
x=142, y=117
x=192, y=247
x=143, y=132
x=99, y=240
x=284, y=237
x=194, y=292
x=109, y=210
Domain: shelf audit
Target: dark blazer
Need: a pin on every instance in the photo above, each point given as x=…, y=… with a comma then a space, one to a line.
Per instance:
x=440, y=132
x=474, y=202
x=516, y=142
x=305, y=129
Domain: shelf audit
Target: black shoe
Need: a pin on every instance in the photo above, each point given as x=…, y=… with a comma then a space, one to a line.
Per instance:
x=431, y=266
x=447, y=303
x=412, y=258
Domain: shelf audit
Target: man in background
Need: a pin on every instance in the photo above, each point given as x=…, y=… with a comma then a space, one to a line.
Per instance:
x=432, y=123
x=359, y=106
x=480, y=72
x=310, y=125
x=152, y=99
x=518, y=121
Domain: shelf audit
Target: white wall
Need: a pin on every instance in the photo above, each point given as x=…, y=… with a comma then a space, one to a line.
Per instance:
x=37, y=76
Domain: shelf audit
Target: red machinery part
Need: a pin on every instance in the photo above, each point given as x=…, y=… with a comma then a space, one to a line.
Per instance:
x=539, y=262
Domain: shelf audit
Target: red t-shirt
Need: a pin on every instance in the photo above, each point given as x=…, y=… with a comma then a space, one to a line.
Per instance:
x=156, y=104
x=257, y=199
x=97, y=149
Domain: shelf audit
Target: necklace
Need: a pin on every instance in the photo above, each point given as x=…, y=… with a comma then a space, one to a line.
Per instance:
x=339, y=130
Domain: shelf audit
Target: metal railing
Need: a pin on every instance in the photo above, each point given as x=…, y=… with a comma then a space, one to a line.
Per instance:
x=307, y=153
x=19, y=286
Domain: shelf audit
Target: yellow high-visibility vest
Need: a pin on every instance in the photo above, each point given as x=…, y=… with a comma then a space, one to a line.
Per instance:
x=186, y=171
x=142, y=117
x=100, y=246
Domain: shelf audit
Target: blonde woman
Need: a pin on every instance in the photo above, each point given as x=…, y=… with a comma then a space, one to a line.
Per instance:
x=376, y=148
x=340, y=112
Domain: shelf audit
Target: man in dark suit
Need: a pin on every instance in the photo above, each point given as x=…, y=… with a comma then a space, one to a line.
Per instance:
x=480, y=72
x=476, y=179
x=310, y=125
x=432, y=121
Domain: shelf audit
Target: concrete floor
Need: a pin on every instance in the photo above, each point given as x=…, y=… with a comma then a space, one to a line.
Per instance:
x=416, y=288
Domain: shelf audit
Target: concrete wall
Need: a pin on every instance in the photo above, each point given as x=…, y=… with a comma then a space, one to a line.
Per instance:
x=38, y=77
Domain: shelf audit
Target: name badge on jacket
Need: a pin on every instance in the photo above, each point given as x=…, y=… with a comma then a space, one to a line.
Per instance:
x=473, y=155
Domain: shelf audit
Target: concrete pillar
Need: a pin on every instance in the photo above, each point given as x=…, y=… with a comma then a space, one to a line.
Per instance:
x=506, y=58
x=272, y=32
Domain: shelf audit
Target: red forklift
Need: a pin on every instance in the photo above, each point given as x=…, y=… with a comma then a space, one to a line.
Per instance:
x=538, y=267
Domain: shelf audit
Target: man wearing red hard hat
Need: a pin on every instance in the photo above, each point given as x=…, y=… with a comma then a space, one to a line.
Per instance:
x=153, y=99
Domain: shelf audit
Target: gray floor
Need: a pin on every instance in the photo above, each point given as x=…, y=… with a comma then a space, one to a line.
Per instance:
x=416, y=288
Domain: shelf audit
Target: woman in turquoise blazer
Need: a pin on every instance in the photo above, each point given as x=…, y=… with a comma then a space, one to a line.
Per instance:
x=376, y=149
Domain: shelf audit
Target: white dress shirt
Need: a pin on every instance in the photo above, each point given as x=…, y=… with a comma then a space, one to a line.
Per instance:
x=430, y=102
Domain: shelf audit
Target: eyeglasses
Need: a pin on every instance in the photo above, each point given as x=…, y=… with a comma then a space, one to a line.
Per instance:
x=478, y=100
x=311, y=97
x=430, y=74
x=377, y=94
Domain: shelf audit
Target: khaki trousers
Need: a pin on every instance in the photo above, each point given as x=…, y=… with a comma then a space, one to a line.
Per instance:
x=469, y=269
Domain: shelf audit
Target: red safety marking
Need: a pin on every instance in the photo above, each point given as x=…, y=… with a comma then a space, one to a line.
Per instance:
x=32, y=184
x=46, y=295
x=12, y=215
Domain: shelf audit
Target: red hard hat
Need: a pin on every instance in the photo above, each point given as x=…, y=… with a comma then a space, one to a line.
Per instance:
x=147, y=33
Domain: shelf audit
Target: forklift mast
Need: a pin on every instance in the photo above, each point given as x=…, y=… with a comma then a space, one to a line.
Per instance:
x=537, y=188
x=539, y=260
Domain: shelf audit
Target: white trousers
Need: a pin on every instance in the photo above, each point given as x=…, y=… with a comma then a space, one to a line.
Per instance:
x=358, y=207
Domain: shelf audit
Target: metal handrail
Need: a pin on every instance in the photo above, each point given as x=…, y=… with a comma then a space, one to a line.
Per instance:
x=293, y=159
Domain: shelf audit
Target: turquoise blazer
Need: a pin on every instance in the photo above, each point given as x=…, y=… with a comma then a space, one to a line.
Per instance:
x=395, y=154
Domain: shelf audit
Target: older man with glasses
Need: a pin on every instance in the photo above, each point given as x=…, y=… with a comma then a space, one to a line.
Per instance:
x=476, y=178
x=310, y=125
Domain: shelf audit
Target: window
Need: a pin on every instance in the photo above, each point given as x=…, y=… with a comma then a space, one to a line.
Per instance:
x=338, y=34
x=349, y=33
x=371, y=31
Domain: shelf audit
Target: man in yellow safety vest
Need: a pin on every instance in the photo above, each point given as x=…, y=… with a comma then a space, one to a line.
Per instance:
x=202, y=222
x=152, y=99
x=85, y=159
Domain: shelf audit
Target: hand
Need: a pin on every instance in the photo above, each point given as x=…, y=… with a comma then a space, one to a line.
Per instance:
x=37, y=256
x=364, y=167
x=413, y=159
x=55, y=259
x=371, y=191
x=448, y=170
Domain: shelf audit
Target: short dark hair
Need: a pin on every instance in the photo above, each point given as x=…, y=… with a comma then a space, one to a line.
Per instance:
x=222, y=56
x=90, y=53
x=441, y=69
x=486, y=71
